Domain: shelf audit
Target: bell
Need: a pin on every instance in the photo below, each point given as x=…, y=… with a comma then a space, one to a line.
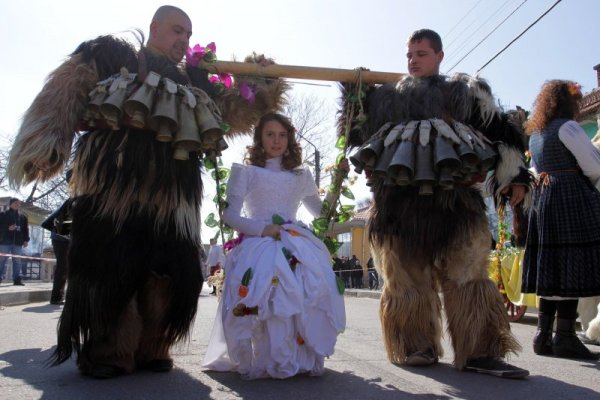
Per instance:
x=355, y=160
x=468, y=157
x=164, y=117
x=138, y=105
x=446, y=178
x=187, y=138
x=402, y=166
x=210, y=129
x=97, y=97
x=112, y=107
x=221, y=145
x=444, y=154
x=369, y=153
x=487, y=155
x=383, y=162
x=424, y=174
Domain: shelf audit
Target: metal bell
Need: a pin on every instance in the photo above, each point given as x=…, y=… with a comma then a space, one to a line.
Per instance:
x=487, y=155
x=210, y=129
x=164, y=116
x=355, y=160
x=402, y=166
x=383, y=162
x=369, y=153
x=97, y=97
x=424, y=174
x=468, y=157
x=138, y=105
x=112, y=107
x=187, y=138
x=446, y=178
x=444, y=154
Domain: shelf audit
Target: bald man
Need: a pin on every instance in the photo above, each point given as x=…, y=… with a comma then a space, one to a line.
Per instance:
x=134, y=274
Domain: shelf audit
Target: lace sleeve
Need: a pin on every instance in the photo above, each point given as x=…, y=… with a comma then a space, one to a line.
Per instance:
x=237, y=187
x=310, y=198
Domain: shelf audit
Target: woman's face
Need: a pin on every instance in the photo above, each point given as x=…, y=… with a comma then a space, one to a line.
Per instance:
x=274, y=138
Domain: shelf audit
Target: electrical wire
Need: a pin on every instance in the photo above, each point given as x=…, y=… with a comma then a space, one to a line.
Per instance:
x=488, y=35
x=517, y=38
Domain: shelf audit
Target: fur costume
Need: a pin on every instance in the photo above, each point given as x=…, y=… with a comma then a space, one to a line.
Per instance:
x=134, y=274
x=431, y=234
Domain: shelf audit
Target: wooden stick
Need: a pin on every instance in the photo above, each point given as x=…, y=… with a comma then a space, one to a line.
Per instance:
x=300, y=72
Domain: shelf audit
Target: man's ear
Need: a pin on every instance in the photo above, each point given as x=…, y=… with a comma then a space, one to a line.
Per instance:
x=440, y=56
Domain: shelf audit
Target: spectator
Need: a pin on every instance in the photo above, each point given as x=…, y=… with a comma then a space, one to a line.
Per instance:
x=373, y=275
x=14, y=236
x=215, y=260
x=562, y=253
x=356, y=272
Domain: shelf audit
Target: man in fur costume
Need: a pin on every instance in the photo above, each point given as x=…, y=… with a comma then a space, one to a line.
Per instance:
x=425, y=145
x=134, y=274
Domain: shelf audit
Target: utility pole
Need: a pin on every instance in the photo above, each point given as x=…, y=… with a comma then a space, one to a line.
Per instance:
x=317, y=160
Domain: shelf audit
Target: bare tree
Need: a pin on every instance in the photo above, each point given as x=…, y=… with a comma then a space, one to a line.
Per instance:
x=48, y=195
x=314, y=121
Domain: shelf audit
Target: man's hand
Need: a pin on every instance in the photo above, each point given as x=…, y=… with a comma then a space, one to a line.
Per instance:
x=516, y=193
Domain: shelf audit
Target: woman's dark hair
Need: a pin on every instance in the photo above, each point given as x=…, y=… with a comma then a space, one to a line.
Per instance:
x=292, y=158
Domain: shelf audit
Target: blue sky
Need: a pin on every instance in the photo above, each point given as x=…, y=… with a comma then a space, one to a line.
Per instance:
x=36, y=35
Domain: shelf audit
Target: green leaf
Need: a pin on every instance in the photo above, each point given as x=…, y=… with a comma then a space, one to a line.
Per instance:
x=348, y=193
x=342, y=217
x=341, y=286
x=277, y=219
x=347, y=208
x=222, y=188
x=225, y=127
x=247, y=277
x=209, y=164
x=321, y=224
x=326, y=206
x=339, y=158
x=223, y=173
x=341, y=143
x=210, y=221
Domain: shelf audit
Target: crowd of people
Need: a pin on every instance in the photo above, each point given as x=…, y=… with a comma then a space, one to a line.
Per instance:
x=136, y=209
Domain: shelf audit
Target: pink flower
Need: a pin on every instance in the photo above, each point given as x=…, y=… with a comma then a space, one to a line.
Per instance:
x=212, y=47
x=230, y=244
x=222, y=78
x=194, y=55
x=247, y=92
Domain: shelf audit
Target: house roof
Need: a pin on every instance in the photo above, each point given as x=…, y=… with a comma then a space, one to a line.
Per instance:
x=589, y=105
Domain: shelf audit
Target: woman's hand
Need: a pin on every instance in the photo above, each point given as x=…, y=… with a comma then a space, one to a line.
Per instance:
x=272, y=231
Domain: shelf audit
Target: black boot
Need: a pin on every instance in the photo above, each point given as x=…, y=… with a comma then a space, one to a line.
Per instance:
x=18, y=282
x=566, y=344
x=542, y=341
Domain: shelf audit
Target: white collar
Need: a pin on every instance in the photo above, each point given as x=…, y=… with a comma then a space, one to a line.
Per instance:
x=274, y=164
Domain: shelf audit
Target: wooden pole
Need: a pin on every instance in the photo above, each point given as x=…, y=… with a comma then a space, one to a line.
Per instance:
x=300, y=72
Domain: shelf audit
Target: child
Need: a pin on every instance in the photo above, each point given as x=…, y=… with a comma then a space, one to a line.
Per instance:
x=281, y=310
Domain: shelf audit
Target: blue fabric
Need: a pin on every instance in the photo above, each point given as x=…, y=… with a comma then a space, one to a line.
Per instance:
x=16, y=261
x=562, y=256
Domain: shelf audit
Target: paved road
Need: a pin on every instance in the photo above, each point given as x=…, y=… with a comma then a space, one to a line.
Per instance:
x=358, y=369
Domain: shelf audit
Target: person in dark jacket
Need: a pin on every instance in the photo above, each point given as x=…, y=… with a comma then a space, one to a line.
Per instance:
x=14, y=236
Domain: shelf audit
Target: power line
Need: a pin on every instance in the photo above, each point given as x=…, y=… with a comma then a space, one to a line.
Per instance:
x=488, y=35
x=464, y=42
x=461, y=20
x=517, y=38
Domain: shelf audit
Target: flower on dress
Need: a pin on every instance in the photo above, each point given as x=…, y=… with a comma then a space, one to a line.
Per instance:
x=241, y=310
x=247, y=92
x=243, y=289
x=300, y=340
x=574, y=89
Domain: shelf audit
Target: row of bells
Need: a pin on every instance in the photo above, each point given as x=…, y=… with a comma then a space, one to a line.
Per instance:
x=440, y=162
x=184, y=116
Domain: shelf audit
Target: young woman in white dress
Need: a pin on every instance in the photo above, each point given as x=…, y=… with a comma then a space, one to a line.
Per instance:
x=281, y=310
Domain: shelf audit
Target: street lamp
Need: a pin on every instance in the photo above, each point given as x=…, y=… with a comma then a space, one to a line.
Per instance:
x=317, y=160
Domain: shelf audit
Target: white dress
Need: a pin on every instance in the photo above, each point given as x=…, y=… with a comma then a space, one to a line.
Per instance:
x=288, y=321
